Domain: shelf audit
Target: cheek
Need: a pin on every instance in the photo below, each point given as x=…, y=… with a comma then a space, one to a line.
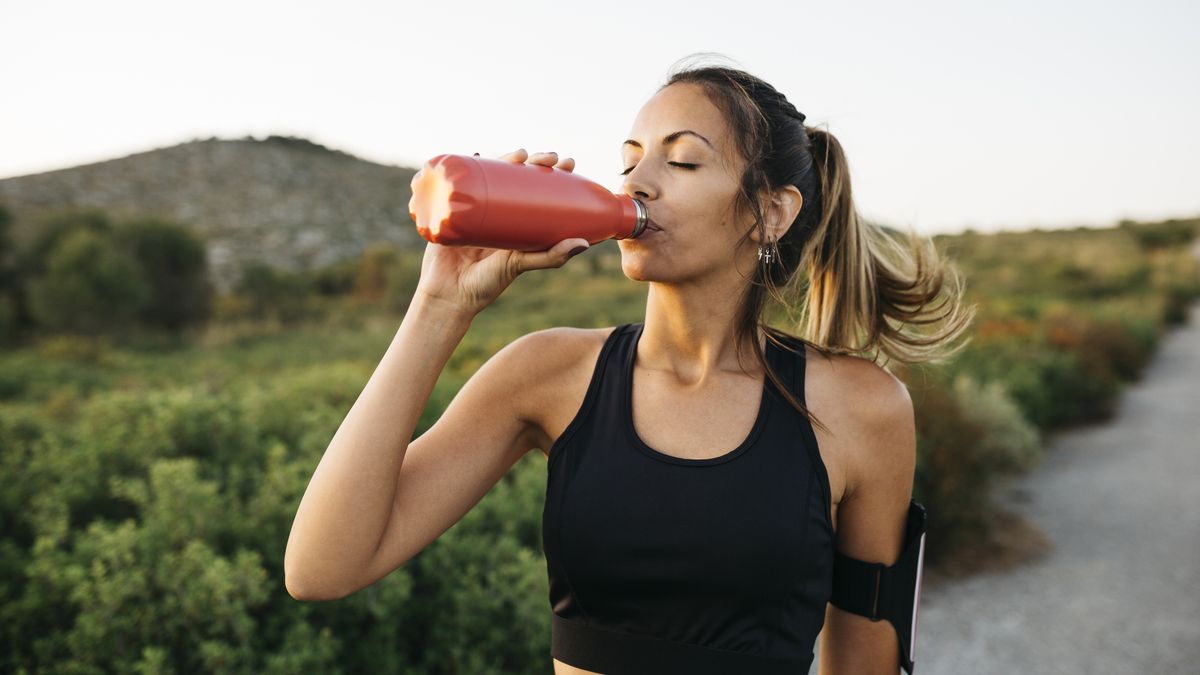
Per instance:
x=714, y=219
x=717, y=204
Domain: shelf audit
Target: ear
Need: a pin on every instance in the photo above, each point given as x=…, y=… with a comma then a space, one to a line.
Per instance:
x=780, y=212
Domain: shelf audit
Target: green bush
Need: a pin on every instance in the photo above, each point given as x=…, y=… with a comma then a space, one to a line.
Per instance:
x=402, y=278
x=1165, y=234
x=148, y=530
x=1179, y=297
x=154, y=583
x=336, y=279
x=89, y=286
x=969, y=437
x=174, y=265
x=1068, y=368
x=1103, y=354
x=274, y=294
x=55, y=226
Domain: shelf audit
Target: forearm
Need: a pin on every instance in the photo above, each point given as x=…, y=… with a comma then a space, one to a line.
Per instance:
x=346, y=507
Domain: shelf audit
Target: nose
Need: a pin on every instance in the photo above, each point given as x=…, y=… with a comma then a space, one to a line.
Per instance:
x=635, y=187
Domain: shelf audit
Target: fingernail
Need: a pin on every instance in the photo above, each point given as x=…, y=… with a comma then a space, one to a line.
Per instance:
x=577, y=250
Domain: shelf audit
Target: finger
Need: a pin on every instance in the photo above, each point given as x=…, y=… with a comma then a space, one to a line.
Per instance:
x=556, y=256
x=543, y=158
x=567, y=164
x=518, y=155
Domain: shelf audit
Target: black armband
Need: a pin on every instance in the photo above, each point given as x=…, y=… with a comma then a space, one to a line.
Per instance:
x=879, y=591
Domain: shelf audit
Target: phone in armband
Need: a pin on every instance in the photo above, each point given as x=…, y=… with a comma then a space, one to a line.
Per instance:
x=891, y=592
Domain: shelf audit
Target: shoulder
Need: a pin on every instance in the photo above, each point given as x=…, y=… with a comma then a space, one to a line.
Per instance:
x=554, y=366
x=865, y=378
x=876, y=415
x=554, y=349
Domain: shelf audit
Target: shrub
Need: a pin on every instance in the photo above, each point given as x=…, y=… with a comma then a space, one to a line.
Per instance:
x=173, y=262
x=403, y=277
x=969, y=437
x=273, y=294
x=1179, y=297
x=371, y=278
x=150, y=531
x=78, y=349
x=53, y=228
x=89, y=286
x=1165, y=234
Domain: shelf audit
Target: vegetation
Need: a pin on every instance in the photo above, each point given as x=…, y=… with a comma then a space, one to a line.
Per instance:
x=148, y=477
x=84, y=274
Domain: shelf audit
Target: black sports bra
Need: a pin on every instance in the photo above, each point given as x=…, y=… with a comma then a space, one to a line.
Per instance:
x=661, y=564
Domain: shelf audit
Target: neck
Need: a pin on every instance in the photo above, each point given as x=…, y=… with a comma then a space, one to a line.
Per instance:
x=689, y=333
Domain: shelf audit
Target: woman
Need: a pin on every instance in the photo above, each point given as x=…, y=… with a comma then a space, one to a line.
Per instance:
x=693, y=503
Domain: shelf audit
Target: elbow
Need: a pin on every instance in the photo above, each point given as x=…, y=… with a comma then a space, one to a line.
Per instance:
x=302, y=581
x=303, y=587
x=295, y=591
x=310, y=579
x=297, y=588
x=308, y=593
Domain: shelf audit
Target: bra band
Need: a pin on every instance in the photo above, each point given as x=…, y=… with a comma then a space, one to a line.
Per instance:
x=879, y=591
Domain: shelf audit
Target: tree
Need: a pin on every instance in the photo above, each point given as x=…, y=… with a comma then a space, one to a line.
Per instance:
x=174, y=265
x=52, y=228
x=89, y=286
x=28, y=262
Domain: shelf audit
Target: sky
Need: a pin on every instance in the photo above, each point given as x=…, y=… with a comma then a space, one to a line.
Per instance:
x=953, y=115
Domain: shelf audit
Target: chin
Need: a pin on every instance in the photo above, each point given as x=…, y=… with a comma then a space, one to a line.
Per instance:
x=641, y=267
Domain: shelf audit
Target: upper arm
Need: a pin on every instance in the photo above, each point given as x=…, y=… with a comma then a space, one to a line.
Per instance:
x=484, y=431
x=871, y=520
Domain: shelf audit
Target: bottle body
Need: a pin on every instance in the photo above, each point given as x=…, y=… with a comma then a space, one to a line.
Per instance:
x=458, y=200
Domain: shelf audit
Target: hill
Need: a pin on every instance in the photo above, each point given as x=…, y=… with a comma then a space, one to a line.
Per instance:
x=287, y=201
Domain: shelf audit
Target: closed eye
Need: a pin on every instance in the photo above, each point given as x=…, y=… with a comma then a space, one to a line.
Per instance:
x=681, y=165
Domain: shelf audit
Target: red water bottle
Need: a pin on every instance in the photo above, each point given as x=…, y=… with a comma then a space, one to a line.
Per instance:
x=458, y=200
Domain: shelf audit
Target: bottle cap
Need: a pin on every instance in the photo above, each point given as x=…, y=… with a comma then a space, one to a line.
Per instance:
x=634, y=210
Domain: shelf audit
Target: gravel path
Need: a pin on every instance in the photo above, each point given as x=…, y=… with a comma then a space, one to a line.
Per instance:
x=1120, y=591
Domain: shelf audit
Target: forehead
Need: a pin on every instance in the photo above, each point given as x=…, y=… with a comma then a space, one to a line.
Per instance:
x=679, y=106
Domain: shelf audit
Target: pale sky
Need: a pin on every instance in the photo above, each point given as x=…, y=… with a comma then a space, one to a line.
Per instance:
x=992, y=115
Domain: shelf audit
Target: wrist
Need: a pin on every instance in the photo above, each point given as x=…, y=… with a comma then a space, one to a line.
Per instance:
x=433, y=307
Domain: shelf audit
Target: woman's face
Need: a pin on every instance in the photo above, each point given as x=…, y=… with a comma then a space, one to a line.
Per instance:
x=692, y=204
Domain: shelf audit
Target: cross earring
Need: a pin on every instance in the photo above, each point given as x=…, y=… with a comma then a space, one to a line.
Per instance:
x=764, y=254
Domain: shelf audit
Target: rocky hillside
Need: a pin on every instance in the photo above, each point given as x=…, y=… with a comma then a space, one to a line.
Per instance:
x=286, y=201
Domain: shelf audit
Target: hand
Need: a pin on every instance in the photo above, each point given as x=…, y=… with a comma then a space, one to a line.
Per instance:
x=472, y=277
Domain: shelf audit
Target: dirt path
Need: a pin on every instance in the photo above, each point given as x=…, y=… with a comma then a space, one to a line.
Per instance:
x=1120, y=591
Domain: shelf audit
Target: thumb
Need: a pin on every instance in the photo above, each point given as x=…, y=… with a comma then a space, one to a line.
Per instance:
x=578, y=246
x=556, y=256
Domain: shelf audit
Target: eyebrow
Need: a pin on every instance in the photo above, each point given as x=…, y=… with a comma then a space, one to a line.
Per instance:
x=671, y=138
